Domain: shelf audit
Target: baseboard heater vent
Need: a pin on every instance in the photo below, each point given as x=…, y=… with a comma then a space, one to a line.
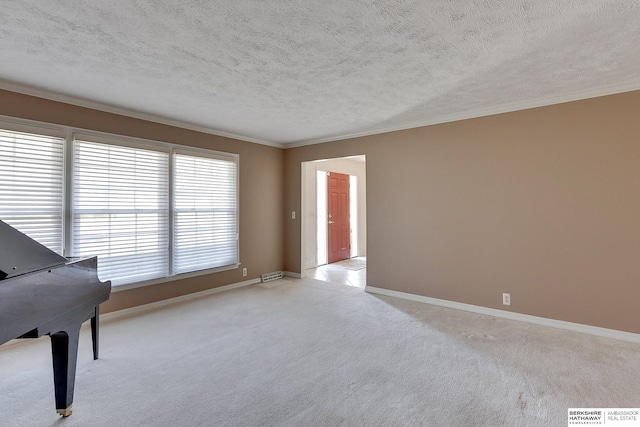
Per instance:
x=268, y=277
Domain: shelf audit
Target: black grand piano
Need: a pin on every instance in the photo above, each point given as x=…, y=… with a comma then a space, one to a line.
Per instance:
x=43, y=293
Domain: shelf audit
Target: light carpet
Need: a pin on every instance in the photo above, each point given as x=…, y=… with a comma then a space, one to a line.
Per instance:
x=313, y=353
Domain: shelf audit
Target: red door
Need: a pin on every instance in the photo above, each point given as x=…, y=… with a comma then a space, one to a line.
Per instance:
x=339, y=231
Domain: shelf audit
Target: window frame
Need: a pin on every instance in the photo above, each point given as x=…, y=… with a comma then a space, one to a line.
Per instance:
x=105, y=199
x=70, y=134
x=209, y=154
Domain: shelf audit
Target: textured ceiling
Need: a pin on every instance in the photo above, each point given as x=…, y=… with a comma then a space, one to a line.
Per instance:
x=298, y=71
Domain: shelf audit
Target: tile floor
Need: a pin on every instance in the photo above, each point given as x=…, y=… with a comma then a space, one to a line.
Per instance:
x=350, y=272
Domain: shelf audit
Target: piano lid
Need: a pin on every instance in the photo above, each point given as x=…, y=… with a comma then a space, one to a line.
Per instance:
x=20, y=254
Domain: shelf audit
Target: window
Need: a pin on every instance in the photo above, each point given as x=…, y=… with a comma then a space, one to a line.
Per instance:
x=148, y=210
x=31, y=186
x=205, y=224
x=121, y=210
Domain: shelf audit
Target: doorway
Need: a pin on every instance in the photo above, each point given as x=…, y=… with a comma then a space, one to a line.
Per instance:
x=315, y=220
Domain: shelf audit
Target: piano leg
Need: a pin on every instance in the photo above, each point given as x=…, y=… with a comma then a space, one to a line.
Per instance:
x=95, y=330
x=64, y=348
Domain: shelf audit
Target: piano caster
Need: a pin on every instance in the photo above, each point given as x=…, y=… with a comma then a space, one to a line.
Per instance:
x=64, y=412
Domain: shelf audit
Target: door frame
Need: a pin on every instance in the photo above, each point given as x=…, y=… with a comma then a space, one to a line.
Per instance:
x=353, y=165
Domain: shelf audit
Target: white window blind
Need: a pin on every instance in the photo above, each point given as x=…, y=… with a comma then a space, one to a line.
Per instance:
x=205, y=212
x=120, y=212
x=148, y=210
x=31, y=186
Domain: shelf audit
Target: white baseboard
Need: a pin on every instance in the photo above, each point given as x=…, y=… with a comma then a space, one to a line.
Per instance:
x=181, y=298
x=561, y=324
x=292, y=274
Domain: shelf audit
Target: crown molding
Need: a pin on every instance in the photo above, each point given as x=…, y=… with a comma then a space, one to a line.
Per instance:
x=506, y=108
x=94, y=105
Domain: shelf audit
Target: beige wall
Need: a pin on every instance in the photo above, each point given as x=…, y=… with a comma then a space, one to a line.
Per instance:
x=261, y=184
x=543, y=204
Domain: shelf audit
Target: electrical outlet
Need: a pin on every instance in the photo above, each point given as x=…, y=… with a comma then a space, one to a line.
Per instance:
x=244, y=272
x=506, y=299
